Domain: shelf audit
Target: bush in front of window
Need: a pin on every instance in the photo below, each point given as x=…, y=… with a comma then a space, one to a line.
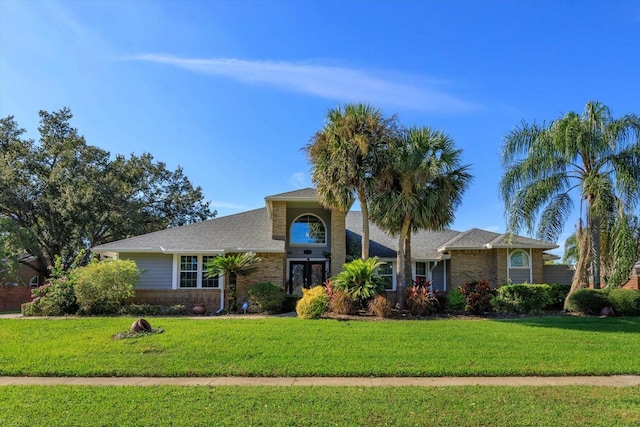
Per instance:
x=358, y=279
x=477, y=296
x=102, y=286
x=313, y=303
x=522, y=298
x=267, y=297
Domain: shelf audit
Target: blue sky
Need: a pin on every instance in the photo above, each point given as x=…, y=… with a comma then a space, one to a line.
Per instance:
x=231, y=90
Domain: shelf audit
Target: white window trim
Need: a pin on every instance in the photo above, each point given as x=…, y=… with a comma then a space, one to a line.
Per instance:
x=523, y=251
x=318, y=245
x=200, y=273
x=393, y=274
x=36, y=283
x=530, y=267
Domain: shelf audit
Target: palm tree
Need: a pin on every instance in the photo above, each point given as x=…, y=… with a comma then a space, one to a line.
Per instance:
x=346, y=156
x=419, y=189
x=571, y=253
x=589, y=155
x=232, y=266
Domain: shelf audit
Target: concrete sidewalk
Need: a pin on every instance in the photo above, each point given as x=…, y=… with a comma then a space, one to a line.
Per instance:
x=609, y=381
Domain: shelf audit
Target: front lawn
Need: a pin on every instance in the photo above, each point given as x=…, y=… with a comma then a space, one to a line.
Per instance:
x=294, y=347
x=318, y=406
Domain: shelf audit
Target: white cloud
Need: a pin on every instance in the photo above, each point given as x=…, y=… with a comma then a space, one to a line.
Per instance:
x=338, y=83
x=227, y=205
x=300, y=180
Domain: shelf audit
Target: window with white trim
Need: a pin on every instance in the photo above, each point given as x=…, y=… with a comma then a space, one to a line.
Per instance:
x=308, y=229
x=519, y=259
x=34, y=282
x=421, y=272
x=385, y=273
x=192, y=272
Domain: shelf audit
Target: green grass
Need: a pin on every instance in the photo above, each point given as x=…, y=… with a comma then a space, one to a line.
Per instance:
x=294, y=347
x=318, y=406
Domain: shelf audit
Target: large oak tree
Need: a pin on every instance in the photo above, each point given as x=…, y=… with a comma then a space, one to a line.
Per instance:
x=60, y=195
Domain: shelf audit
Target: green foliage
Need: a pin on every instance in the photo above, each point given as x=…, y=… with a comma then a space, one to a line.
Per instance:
x=359, y=280
x=625, y=302
x=102, y=286
x=455, y=300
x=522, y=298
x=268, y=296
x=477, y=296
x=558, y=293
x=587, y=301
x=313, y=303
x=232, y=266
x=380, y=306
x=422, y=301
x=57, y=296
x=153, y=310
x=59, y=194
x=625, y=242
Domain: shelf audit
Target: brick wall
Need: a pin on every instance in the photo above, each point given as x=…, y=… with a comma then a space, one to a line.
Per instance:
x=12, y=297
x=469, y=265
x=209, y=297
x=538, y=265
x=278, y=220
x=270, y=269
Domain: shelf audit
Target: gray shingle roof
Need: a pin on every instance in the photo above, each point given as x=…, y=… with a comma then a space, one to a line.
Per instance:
x=303, y=194
x=246, y=231
x=476, y=238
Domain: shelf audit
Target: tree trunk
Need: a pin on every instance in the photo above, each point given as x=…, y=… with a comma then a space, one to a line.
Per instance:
x=233, y=297
x=581, y=275
x=596, y=224
x=365, y=226
x=401, y=276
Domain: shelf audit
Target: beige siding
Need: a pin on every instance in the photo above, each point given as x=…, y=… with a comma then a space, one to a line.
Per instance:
x=278, y=220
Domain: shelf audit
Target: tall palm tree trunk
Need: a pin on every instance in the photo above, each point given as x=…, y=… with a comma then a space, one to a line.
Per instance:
x=581, y=275
x=596, y=228
x=401, y=275
x=365, y=225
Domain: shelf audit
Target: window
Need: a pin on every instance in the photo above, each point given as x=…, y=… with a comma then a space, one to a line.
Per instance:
x=308, y=230
x=34, y=282
x=385, y=272
x=421, y=272
x=208, y=282
x=192, y=271
x=519, y=259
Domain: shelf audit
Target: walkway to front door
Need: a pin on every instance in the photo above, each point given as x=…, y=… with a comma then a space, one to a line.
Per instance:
x=305, y=274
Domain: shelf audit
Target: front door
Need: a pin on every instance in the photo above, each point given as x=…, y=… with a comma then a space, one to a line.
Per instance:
x=305, y=274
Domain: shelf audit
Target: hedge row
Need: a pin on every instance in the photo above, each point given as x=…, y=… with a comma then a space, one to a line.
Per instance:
x=625, y=302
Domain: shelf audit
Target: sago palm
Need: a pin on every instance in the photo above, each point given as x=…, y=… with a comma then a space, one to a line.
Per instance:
x=232, y=266
x=589, y=156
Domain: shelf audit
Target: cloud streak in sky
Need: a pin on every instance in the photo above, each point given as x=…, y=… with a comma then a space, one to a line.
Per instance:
x=338, y=83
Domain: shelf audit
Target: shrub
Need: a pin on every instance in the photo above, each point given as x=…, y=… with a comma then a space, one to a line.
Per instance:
x=522, y=298
x=341, y=303
x=455, y=300
x=477, y=296
x=55, y=298
x=557, y=294
x=422, y=300
x=625, y=302
x=358, y=279
x=268, y=296
x=102, y=286
x=313, y=303
x=289, y=303
x=587, y=301
x=380, y=306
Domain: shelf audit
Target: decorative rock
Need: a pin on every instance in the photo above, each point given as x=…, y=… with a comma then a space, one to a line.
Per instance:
x=141, y=325
x=607, y=311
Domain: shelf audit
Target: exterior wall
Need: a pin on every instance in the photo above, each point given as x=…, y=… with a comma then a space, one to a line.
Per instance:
x=12, y=297
x=157, y=270
x=339, y=244
x=437, y=277
x=557, y=274
x=278, y=220
x=469, y=265
x=519, y=275
x=538, y=265
x=502, y=264
x=189, y=297
x=23, y=276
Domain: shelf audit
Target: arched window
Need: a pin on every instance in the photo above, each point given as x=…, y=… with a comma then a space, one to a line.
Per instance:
x=519, y=259
x=308, y=229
